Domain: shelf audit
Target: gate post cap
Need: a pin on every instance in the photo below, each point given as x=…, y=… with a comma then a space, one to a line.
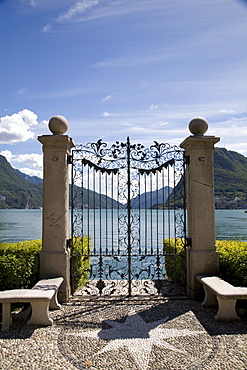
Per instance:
x=58, y=125
x=198, y=126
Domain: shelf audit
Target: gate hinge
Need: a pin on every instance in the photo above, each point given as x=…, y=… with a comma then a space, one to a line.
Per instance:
x=69, y=159
x=186, y=159
x=69, y=243
x=188, y=242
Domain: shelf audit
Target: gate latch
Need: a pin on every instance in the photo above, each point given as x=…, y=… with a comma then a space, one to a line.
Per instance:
x=69, y=159
x=188, y=242
x=69, y=244
x=186, y=159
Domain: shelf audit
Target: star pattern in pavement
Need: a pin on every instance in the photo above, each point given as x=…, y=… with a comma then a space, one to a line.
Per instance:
x=138, y=337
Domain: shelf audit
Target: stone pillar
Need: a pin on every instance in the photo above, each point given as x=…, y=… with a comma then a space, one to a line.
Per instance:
x=55, y=255
x=202, y=257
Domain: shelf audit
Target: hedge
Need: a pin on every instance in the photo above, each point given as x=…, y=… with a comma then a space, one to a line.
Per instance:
x=19, y=263
x=232, y=261
x=80, y=257
x=175, y=260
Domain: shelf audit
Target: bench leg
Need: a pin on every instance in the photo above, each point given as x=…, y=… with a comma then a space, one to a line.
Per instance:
x=54, y=304
x=6, y=316
x=40, y=313
x=227, y=310
x=210, y=299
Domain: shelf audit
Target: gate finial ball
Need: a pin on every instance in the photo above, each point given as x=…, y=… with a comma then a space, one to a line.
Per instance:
x=58, y=125
x=198, y=126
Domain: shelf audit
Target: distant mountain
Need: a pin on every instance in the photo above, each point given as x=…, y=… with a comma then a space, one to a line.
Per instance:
x=16, y=192
x=230, y=178
x=86, y=198
x=33, y=179
x=152, y=198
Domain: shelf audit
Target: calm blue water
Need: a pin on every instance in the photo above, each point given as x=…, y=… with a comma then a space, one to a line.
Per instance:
x=18, y=225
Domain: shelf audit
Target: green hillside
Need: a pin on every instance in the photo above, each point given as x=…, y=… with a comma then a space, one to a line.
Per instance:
x=16, y=192
x=230, y=177
x=230, y=180
x=86, y=198
x=151, y=199
x=230, y=172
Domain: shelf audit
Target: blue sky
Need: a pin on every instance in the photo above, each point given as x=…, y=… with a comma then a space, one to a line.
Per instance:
x=118, y=68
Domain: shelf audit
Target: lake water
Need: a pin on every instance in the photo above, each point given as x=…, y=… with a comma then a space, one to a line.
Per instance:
x=18, y=225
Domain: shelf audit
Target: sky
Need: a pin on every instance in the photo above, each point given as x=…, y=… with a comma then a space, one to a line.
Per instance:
x=118, y=68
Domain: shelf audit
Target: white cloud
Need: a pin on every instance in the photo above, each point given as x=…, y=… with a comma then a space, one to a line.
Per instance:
x=32, y=3
x=31, y=172
x=47, y=28
x=135, y=60
x=45, y=122
x=16, y=128
x=232, y=111
x=7, y=154
x=22, y=91
x=153, y=106
x=79, y=8
x=29, y=117
x=107, y=114
x=32, y=160
x=88, y=10
x=31, y=164
x=106, y=98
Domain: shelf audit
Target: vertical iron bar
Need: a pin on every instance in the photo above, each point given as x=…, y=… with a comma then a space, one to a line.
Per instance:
x=174, y=207
x=163, y=202
x=129, y=214
x=82, y=210
x=139, y=207
x=100, y=235
x=169, y=211
x=151, y=212
x=184, y=200
x=88, y=221
x=145, y=210
x=157, y=225
x=157, y=201
x=118, y=213
x=163, y=216
x=112, y=218
x=106, y=215
x=94, y=214
x=185, y=219
x=72, y=224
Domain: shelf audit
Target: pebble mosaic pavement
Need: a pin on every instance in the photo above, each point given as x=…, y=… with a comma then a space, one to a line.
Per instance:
x=127, y=334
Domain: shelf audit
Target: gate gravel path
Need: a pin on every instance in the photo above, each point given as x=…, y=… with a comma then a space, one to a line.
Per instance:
x=128, y=334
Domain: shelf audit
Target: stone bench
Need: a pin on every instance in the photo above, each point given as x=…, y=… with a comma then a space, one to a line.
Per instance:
x=41, y=297
x=218, y=291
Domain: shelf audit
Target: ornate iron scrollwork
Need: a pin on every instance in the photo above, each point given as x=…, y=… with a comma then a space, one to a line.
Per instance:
x=124, y=261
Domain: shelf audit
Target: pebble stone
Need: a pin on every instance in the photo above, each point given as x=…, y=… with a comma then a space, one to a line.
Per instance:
x=73, y=343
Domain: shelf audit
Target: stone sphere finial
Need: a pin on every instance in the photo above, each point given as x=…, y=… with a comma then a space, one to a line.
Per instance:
x=58, y=125
x=198, y=126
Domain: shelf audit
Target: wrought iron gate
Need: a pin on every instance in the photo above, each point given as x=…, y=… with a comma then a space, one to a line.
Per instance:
x=125, y=201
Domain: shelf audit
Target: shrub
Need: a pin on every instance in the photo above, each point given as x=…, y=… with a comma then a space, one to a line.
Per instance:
x=80, y=256
x=232, y=261
x=174, y=252
x=19, y=264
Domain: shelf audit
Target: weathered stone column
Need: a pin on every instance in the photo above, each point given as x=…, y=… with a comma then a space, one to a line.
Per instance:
x=202, y=257
x=55, y=256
